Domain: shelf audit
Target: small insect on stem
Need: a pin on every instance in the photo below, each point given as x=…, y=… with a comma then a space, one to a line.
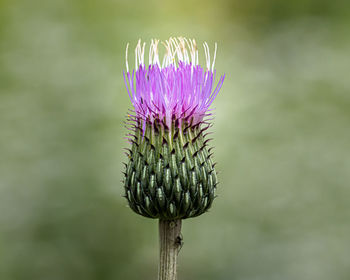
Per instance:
x=179, y=242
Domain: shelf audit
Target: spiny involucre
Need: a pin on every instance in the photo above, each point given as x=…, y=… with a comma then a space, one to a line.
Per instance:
x=170, y=173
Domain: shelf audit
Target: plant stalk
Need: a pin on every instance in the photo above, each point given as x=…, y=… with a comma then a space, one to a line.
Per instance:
x=170, y=242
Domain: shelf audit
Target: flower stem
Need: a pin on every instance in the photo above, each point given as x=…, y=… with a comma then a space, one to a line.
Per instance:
x=170, y=244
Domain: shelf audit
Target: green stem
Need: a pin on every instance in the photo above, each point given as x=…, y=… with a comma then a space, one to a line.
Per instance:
x=170, y=244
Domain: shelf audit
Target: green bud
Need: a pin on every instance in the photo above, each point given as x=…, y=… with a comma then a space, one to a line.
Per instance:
x=170, y=174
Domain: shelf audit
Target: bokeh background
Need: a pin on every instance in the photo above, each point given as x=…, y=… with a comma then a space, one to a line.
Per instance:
x=281, y=135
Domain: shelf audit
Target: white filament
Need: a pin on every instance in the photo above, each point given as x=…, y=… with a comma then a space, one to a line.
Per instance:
x=126, y=58
x=216, y=47
x=176, y=50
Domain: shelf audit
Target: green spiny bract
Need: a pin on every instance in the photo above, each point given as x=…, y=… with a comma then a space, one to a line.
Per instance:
x=170, y=174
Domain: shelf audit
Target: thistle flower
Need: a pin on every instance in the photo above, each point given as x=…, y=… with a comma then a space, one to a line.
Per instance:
x=170, y=174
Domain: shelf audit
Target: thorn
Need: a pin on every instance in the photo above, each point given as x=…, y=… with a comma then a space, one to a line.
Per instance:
x=128, y=150
x=208, y=133
x=206, y=141
x=165, y=125
x=195, y=138
x=133, y=136
x=156, y=128
x=204, y=129
x=176, y=122
x=133, y=142
x=185, y=129
x=211, y=171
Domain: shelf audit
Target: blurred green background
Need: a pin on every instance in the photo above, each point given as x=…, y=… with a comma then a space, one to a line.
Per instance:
x=281, y=135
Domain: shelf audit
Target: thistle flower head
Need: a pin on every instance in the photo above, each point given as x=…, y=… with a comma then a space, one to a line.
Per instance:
x=176, y=89
x=170, y=173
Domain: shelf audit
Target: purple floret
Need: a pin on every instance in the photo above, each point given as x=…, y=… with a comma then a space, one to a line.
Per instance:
x=183, y=91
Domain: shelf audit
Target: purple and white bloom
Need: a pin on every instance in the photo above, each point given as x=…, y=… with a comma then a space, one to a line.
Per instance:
x=170, y=173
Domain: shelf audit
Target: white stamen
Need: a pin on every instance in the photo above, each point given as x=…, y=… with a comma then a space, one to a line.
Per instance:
x=183, y=50
x=164, y=62
x=155, y=53
x=207, y=54
x=150, y=53
x=212, y=67
x=136, y=54
x=176, y=49
x=139, y=53
x=126, y=58
x=143, y=54
x=192, y=51
x=169, y=55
